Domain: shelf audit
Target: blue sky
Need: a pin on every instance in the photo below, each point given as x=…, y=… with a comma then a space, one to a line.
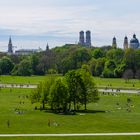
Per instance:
x=33, y=23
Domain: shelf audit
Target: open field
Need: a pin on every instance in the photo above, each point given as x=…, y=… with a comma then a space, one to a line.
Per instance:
x=114, y=119
x=22, y=79
x=100, y=82
x=117, y=83
x=107, y=117
x=77, y=138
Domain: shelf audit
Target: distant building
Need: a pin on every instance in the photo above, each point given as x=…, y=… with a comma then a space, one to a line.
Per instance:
x=88, y=39
x=47, y=47
x=134, y=42
x=114, y=43
x=81, y=38
x=125, y=44
x=26, y=51
x=10, y=46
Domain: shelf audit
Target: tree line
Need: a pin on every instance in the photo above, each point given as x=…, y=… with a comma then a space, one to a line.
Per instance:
x=68, y=93
x=104, y=62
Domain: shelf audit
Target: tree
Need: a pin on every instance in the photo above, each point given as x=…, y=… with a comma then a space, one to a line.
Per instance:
x=137, y=75
x=23, y=69
x=90, y=93
x=6, y=65
x=75, y=87
x=128, y=74
x=115, y=55
x=80, y=57
x=98, y=53
x=109, y=69
x=67, y=64
x=129, y=59
x=42, y=93
x=34, y=63
x=99, y=66
x=137, y=59
x=59, y=96
x=120, y=70
x=46, y=90
x=92, y=66
x=81, y=87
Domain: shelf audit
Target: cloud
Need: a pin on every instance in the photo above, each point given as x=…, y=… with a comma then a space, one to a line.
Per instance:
x=34, y=22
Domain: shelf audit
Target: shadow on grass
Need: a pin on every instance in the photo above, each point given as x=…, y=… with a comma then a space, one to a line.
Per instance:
x=74, y=112
x=91, y=111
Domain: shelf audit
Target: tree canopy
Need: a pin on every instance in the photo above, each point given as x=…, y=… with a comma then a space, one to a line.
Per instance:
x=104, y=61
x=67, y=93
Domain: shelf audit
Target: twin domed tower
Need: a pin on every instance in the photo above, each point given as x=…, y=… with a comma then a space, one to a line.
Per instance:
x=134, y=43
x=82, y=40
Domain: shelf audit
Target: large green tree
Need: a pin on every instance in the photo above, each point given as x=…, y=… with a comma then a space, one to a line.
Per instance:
x=59, y=96
x=24, y=68
x=81, y=87
x=90, y=93
x=42, y=93
x=6, y=65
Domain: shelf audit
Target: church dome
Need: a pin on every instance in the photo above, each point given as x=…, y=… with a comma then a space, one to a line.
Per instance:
x=134, y=42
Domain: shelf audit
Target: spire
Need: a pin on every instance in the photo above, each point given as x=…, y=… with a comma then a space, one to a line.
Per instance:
x=114, y=43
x=10, y=40
x=47, y=47
x=134, y=36
x=10, y=46
x=125, y=45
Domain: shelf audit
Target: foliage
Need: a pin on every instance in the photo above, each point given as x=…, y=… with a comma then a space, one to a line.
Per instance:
x=41, y=94
x=69, y=93
x=109, y=69
x=137, y=75
x=104, y=61
x=98, y=53
x=6, y=65
x=116, y=55
x=59, y=96
x=128, y=74
x=23, y=68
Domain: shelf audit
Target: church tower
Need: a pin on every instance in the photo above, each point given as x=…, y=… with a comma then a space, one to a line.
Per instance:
x=81, y=38
x=114, y=43
x=125, y=45
x=88, y=38
x=47, y=47
x=10, y=46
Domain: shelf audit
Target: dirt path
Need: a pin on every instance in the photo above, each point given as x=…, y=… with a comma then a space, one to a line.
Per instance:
x=70, y=135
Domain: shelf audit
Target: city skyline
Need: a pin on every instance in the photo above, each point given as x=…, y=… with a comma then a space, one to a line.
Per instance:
x=33, y=23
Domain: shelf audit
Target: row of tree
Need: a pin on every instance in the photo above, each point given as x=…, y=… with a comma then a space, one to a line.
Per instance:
x=104, y=62
x=63, y=94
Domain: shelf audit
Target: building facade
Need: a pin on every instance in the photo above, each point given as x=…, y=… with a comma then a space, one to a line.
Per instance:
x=114, y=43
x=85, y=41
x=134, y=43
x=125, y=44
x=10, y=46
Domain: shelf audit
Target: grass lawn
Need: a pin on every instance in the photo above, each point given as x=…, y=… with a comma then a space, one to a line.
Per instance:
x=77, y=138
x=23, y=79
x=115, y=119
x=117, y=83
x=100, y=82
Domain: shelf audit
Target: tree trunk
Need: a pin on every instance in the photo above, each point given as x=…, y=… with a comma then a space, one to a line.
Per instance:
x=85, y=102
x=43, y=104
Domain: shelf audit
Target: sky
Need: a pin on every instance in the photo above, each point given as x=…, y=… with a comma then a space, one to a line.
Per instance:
x=34, y=23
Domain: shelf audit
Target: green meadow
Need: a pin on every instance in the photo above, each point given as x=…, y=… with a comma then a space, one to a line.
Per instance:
x=76, y=138
x=100, y=82
x=108, y=115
